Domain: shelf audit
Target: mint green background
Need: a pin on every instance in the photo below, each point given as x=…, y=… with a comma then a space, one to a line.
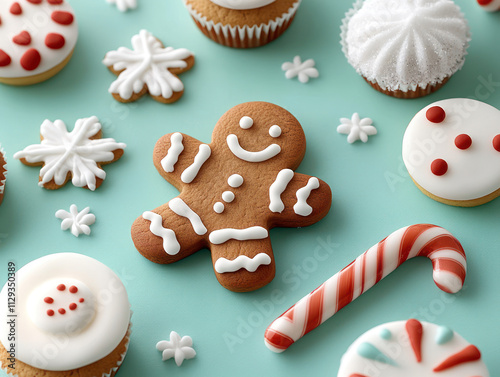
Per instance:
x=373, y=196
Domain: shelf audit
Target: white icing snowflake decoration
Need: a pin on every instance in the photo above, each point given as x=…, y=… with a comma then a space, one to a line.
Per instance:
x=179, y=348
x=147, y=64
x=79, y=222
x=304, y=70
x=356, y=128
x=74, y=152
x=124, y=5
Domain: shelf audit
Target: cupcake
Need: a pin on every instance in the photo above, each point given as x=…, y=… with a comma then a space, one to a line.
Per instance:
x=70, y=316
x=37, y=39
x=242, y=23
x=3, y=173
x=408, y=48
x=489, y=5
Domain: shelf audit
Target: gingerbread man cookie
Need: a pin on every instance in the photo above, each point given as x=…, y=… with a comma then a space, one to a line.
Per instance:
x=148, y=68
x=451, y=149
x=232, y=192
x=37, y=39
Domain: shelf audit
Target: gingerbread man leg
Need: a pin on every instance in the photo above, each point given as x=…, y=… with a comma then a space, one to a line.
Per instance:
x=163, y=236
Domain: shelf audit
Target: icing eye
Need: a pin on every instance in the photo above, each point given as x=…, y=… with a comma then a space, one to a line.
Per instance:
x=275, y=131
x=246, y=122
x=435, y=114
x=496, y=143
x=439, y=167
x=463, y=141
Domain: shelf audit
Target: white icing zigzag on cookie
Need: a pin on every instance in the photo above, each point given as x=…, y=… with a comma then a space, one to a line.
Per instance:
x=301, y=207
x=179, y=207
x=170, y=243
x=147, y=64
x=220, y=236
x=224, y=265
x=63, y=152
x=282, y=180
x=176, y=148
x=201, y=157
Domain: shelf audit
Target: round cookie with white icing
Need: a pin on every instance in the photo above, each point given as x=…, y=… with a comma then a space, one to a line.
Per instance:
x=73, y=318
x=412, y=349
x=37, y=39
x=233, y=191
x=451, y=149
x=242, y=23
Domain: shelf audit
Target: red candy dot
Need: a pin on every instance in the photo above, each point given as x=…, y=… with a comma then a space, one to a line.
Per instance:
x=81, y=300
x=72, y=306
x=5, y=59
x=22, y=39
x=62, y=311
x=31, y=59
x=484, y=2
x=35, y=1
x=48, y=300
x=435, y=114
x=16, y=9
x=463, y=141
x=55, y=2
x=61, y=17
x=496, y=143
x=61, y=287
x=50, y=313
x=439, y=167
x=73, y=289
x=54, y=41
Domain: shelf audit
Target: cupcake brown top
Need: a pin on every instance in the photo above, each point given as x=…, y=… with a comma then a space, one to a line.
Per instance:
x=240, y=17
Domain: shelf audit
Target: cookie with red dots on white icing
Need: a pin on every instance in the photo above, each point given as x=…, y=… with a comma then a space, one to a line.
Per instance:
x=489, y=5
x=412, y=349
x=72, y=318
x=451, y=149
x=37, y=39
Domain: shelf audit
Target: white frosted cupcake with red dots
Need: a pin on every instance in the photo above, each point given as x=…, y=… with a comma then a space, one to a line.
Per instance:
x=451, y=149
x=489, y=5
x=70, y=317
x=37, y=39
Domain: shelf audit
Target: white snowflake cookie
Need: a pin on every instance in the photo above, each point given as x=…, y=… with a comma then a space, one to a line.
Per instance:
x=178, y=348
x=302, y=70
x=412, y=349
x=79, y=222
x=356, y=128
x=149, y=67
x=124, y=5
x=78, y=154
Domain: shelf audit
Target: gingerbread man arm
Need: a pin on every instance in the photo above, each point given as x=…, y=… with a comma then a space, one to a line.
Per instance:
x=179, y=158
x=243, y=258
x=169, y=233
x=297, y=200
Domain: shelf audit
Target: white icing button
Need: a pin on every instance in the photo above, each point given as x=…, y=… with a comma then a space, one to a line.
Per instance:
x=228, y=196
x=235, y=180
x=246, y=122
x=61, y=306
x=219, y=207
x=275, y=131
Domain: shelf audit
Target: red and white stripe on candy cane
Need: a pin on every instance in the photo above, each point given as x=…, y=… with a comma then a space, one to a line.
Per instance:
x=420, y=240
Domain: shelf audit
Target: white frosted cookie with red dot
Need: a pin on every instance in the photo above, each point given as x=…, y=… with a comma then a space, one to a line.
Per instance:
x=412, y=349
x=72, y=318
x=451, y=149
x=489, y=5
x=37, y=39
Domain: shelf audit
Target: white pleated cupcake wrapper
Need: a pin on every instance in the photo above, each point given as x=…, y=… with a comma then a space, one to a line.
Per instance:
x=111, y=372
x=243, y=32
x=2, y=182
x=403, y=87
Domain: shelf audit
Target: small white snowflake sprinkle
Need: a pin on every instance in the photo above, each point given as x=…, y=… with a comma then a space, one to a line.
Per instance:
x=124, y=5
x=356, y=128
x=304, y=70
x=79, y=222
x=179, y=348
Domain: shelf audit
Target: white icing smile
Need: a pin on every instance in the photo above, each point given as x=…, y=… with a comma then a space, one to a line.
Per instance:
x=260, y=156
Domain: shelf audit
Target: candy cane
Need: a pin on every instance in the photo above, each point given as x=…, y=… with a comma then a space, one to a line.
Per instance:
x=420, y=240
